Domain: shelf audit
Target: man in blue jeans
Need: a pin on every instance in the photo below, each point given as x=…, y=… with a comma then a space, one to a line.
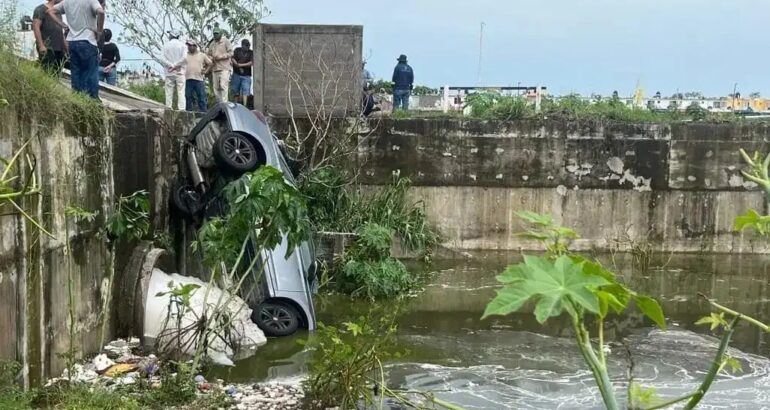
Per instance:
x=403, y=82
x=86, y=24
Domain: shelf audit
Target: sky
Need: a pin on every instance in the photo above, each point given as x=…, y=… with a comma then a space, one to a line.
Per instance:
x=584, y=46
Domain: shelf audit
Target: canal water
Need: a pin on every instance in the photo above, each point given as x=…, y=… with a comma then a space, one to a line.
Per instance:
x=513, y=362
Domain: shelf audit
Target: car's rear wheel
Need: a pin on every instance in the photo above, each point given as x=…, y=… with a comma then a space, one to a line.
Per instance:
x=185, y=199
x=276, y=319
x=236, y=153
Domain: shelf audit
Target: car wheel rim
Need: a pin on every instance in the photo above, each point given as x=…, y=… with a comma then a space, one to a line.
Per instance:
x=275, y=318
x=189, y=195
x=237, y=150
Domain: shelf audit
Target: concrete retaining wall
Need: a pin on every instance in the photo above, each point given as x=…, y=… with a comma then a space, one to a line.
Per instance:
x=73, y=169
x=678, y=186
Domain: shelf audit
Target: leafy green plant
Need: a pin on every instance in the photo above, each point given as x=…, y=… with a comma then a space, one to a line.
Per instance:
x=151, y=90
x=556, y=238
x=368, y=270
x=345, y=360
x=753, y=220
x=131, y=218
x=565, y=283
x=495, y=106
x=12, y=395
x=334, y=207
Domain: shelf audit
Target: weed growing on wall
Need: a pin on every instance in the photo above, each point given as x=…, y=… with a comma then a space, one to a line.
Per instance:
x=335, y=206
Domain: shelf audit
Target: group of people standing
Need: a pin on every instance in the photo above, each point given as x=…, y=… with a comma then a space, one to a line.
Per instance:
x=187, y=67
x=83, y=45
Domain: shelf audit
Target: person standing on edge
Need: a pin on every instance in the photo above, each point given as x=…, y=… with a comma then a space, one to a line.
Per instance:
x=173, y=61
x=403, y=82
x=49, y=37
x=220, y=51
x=195, y=87
x=86, y=24
x=240, y=84
x=108, y=65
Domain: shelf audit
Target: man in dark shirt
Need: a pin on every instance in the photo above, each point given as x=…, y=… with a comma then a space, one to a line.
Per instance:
x=108, y=71
x=49, y=37
x=240, y=83
x=403, y=82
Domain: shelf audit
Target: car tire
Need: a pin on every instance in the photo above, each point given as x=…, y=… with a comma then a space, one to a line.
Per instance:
x=185, y=199
x=236, y=154
x=276, y=319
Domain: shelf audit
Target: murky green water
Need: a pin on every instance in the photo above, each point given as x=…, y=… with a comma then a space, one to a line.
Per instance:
x=513, y=362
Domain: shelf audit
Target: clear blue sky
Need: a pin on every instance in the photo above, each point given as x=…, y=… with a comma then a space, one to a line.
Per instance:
x=567, y=45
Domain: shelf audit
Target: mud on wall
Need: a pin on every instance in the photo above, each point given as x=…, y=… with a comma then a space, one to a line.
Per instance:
x=677, y=186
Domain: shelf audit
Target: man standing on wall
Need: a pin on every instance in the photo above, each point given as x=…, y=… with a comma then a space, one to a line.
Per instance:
x=403, y=82
x=174, y=61
x=195, y=87
x=49, y=37
x=240, y=84
x=220, y=51
x=86, y=24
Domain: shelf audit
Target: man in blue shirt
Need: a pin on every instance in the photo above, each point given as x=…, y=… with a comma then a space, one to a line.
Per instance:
x=403, y=82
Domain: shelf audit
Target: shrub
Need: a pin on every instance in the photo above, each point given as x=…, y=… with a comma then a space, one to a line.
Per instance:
x=345, y=361
x=494, y=106
x=368, y=269
x=151, y=90
x=334, y=207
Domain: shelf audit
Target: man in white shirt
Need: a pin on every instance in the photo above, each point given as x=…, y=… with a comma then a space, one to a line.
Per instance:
x=86, y=23
x=174, y=62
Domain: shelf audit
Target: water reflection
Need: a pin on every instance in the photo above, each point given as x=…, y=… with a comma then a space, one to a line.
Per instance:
x=513, y=362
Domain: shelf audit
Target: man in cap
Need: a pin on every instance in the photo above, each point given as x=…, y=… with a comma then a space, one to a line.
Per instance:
x=174, y=62
x=220, y=51
x=195, y=89
x=403, y=82
x=240, y=84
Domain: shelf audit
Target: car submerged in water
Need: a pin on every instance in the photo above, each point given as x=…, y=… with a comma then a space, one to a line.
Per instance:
x=227, y=142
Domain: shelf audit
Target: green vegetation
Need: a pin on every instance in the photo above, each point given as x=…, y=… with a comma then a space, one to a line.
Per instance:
x=131, y=219
x=494, y=106
x=151, y=90
x=565, y=283
x=346, y=362
x=177, y=390
x=335, y=206
x=29, y=91
x=368, y=270
x=386, y=87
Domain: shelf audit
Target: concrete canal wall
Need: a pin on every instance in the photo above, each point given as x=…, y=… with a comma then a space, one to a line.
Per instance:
x=74, y=167
x=676, y=186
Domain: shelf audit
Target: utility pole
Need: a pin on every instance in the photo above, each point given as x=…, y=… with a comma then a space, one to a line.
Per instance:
x=481, y=52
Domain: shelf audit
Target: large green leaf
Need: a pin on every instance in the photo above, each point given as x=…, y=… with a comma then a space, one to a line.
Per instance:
x=554, y=285
x=651, y=308
x=753, y=220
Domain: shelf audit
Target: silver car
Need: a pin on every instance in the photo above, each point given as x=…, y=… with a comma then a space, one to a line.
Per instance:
x=227, y=142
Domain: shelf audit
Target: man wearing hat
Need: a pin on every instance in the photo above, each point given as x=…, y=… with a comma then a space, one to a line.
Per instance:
x=174, y=62
x=220, y=51
x=403, y=82
x=198, y=64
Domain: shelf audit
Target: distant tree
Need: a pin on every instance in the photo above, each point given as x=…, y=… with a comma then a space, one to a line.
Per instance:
x=693, y=94
x=696, y=112
x=755, y=94
x=146, y=22
x=657, y=94
x=677, y=96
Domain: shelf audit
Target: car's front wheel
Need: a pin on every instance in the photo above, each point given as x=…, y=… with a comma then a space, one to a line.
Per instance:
x=236, y=153
x=276, y=319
